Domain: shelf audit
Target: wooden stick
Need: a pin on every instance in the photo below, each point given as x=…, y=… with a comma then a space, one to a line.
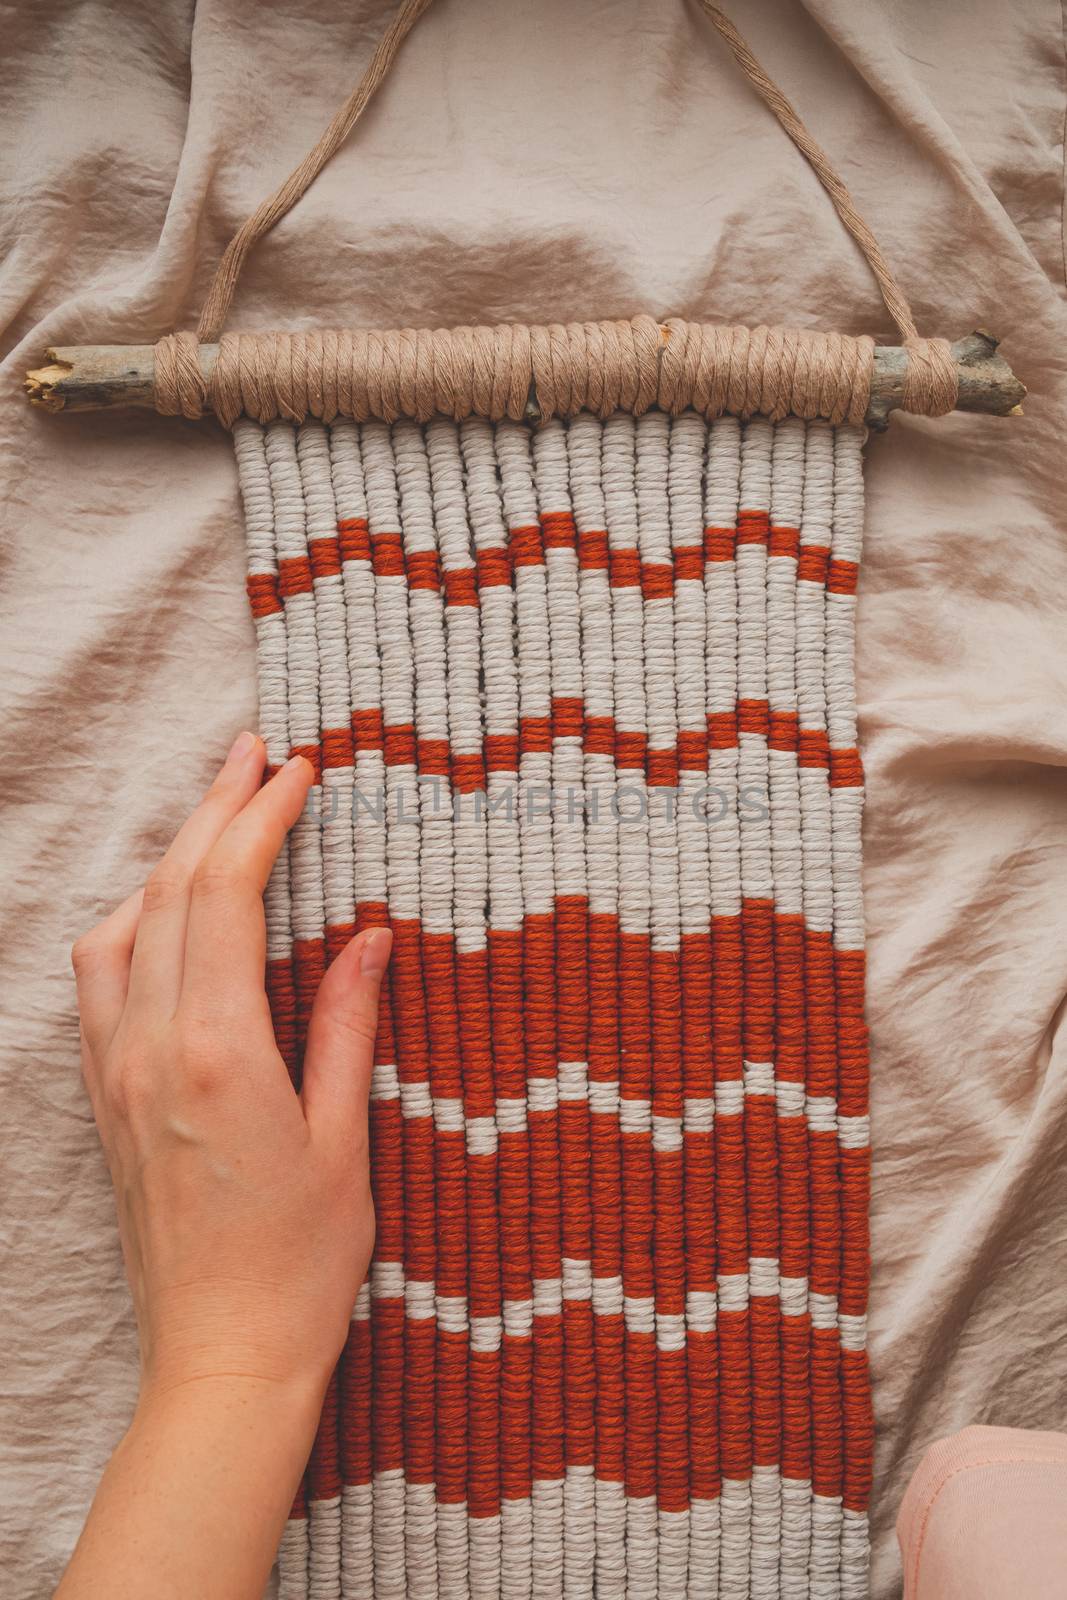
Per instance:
x=987, y=383
x=97, y=377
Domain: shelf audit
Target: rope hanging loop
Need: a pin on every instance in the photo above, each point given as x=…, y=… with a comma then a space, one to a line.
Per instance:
x=495, y=372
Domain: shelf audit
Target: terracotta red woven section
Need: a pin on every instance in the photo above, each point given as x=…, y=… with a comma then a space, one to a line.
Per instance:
x=581, y=704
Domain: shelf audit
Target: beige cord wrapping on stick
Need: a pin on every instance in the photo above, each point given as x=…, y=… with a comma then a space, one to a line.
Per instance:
x=712, y=365
x=509, y=371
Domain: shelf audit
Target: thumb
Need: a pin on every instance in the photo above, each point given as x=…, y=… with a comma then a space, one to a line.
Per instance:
x=340, y=1043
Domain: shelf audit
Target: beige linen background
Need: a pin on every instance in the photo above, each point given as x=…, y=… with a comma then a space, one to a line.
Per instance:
x=546, y=161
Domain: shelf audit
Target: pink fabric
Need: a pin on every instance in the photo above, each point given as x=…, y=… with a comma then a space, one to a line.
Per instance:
x=985, y=1518
x=540, y=162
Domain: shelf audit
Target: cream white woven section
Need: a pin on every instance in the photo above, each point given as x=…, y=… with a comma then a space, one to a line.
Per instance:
x=581, y=704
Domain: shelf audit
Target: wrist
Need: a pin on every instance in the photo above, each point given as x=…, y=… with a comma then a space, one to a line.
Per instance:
x=196, y=1496
x=229, y=1330
x=288, y=1409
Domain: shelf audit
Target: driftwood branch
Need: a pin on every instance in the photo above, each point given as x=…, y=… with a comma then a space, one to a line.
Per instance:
x=987, y=383
x=97, y=377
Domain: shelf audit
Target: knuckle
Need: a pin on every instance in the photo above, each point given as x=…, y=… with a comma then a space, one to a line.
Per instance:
x=204, y=1077
x=89, y=1068
x=87, y=951
x=359, y=1166
x=357, y=1027
x=127, y=1089
x=114, y=1097
x=350, y=1179
x=230, y=777
x=217, y=877
x=165, y=884
x=207, y=1057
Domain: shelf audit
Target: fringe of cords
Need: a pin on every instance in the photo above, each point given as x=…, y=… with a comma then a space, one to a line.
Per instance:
x=581, y=703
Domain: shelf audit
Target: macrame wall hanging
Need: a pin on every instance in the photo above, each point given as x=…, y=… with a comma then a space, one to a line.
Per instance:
x=564, y=619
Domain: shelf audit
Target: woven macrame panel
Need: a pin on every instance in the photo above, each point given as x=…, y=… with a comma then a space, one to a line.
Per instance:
x=581, y=702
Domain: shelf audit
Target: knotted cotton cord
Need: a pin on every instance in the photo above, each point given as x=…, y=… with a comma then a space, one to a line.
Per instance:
x=581, y=707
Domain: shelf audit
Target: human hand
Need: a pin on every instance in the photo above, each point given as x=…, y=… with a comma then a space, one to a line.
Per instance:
x=244, y=1209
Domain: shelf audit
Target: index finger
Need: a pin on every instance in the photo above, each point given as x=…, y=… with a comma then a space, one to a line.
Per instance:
x=156, y=965
x=225, y=951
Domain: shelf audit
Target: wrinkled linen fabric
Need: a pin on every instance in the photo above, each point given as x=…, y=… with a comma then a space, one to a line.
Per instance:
x=542, y=163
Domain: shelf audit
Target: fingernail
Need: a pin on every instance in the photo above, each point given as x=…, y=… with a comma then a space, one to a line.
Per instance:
x=374, y=955
x=294, y=764
x=241, y=746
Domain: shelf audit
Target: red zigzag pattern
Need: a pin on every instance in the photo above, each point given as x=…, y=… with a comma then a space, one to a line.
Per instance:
x=580, y=703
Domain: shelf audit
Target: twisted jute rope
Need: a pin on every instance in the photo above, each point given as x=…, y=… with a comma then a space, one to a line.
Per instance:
x=558, y=370
x=505, y=371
